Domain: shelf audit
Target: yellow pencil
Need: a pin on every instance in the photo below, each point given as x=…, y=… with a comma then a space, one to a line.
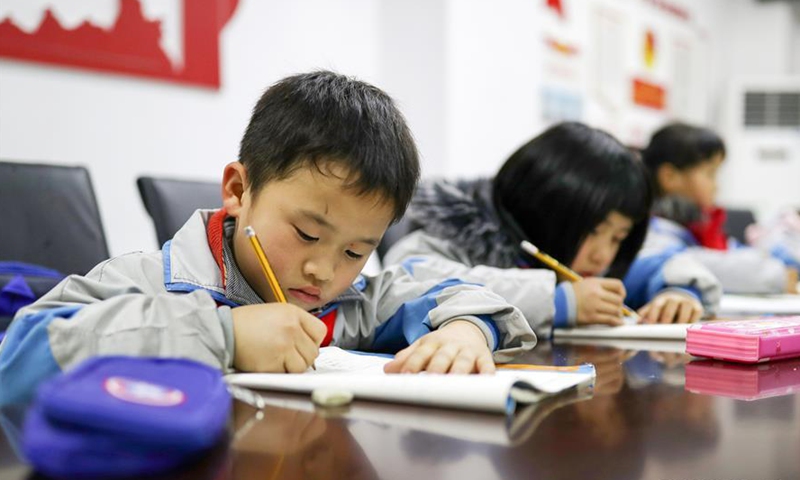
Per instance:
x=565, y=271
x=267, y=269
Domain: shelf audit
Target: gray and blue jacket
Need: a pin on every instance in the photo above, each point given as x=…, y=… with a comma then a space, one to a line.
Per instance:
x=458, y=224
x=740, y=269
x=175, y=303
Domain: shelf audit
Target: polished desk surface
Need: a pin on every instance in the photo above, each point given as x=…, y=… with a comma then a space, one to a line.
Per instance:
x=640, y=421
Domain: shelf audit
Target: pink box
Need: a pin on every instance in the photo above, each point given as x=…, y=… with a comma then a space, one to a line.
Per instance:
x=748, y=340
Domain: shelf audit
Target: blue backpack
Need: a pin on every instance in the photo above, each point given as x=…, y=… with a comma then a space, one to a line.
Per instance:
x=21, y=284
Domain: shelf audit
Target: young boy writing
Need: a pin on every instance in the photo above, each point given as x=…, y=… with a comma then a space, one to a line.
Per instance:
x=326, y=165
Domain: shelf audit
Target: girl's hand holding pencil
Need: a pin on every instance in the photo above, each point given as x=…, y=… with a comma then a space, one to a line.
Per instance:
x=599, y=300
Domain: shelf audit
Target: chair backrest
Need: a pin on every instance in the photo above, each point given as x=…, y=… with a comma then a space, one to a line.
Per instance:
x=737, y=222
x=50, y=217
x=170, y=202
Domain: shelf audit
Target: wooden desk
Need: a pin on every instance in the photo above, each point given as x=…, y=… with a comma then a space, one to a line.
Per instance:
x=640, y=423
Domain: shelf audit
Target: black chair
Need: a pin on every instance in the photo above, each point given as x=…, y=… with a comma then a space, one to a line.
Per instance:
x=50, y=217
x=170, y=202
x=737, y=222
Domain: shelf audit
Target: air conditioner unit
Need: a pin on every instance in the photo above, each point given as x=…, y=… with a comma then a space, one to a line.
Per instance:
x=761, y=128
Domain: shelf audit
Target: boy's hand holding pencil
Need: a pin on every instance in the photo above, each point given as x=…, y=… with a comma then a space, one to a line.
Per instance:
x=274, y=337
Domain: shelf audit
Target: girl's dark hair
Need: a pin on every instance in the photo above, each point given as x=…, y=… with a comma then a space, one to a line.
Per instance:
x=561, y=185
x=681, y=145
x=310, y=118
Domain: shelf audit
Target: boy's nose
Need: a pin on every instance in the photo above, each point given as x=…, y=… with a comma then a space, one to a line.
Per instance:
x=321, y=270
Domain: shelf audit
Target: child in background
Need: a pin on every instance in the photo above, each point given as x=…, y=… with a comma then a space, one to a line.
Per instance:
x=683, y=161
x=326, y=164
x=578, y=195
x=779, y=236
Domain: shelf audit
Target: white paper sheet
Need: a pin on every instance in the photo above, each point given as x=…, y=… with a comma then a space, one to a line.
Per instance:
x=363, y=376
x=759, y=305
x=674, y=331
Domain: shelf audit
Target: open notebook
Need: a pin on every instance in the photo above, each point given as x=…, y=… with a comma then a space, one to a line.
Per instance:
x=781, y=304
x=362, y=375
x=631, y=330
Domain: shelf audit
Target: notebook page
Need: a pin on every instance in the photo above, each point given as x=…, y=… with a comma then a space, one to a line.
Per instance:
x=675, y=331
x=552, y=379
x=363, y=376
x=472, y=392
x=336, y=360
x=784, y=304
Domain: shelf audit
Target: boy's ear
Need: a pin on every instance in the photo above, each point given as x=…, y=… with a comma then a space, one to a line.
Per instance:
x=669, y=178
x=234, y=186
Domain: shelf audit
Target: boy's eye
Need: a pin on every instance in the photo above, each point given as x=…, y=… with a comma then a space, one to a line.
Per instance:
x=354, y=255
x=306, y=237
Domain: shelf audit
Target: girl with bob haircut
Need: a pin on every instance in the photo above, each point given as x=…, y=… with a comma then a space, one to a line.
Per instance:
x=582, y=197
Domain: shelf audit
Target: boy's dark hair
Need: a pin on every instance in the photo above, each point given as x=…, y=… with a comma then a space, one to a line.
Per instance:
x=322, y=116
x=562, y=184
x=681, y=145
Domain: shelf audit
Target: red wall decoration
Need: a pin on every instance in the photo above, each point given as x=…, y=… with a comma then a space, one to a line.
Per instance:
x=648, y=94
x=131, y=46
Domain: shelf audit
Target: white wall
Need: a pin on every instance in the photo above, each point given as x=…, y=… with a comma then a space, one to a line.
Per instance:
x=467, y=74
x=121, y=127
x=795, y=48
x=498, y=65
x=760, y=43
x=412, y=69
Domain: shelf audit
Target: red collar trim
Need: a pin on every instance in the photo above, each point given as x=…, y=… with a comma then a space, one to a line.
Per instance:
x=216, y=239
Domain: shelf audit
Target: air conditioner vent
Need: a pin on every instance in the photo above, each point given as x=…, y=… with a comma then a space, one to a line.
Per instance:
x=772, y=109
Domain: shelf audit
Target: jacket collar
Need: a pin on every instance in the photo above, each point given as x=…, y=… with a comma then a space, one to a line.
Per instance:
x=189, y=263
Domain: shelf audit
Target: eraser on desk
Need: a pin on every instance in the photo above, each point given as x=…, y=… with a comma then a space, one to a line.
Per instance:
x=113, y=416
x=329, y=397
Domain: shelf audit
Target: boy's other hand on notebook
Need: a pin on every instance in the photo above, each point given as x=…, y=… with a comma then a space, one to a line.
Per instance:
x=458, y=347
x=672, y=307
x=275, y=337
x=599, y=300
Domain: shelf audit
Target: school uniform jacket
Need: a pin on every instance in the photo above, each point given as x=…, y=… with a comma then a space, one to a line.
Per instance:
x=740, y=269
x=460, y=232
x=177, y=303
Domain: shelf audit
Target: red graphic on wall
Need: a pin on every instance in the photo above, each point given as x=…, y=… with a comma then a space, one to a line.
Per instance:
x=131, y=46
x=556, y=5
x=648, y=94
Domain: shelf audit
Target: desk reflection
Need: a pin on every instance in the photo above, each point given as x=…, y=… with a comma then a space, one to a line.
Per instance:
x=282, y=443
